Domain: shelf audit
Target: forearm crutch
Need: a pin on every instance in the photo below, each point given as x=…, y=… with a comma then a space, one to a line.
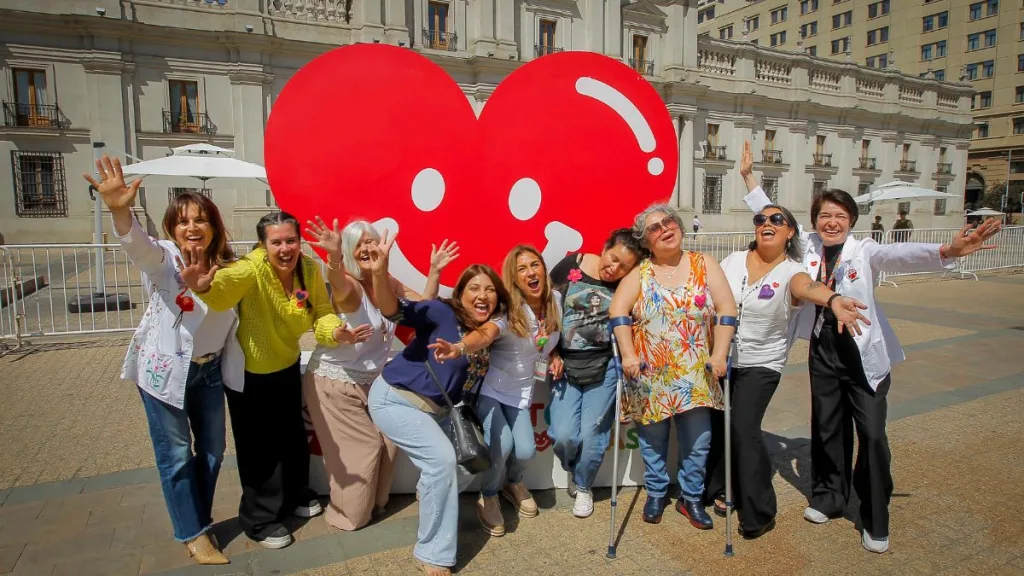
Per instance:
x=615, y=445
x=728, y=446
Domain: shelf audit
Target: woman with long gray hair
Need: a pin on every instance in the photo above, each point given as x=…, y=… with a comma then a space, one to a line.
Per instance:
x=769, y=283
x=663, y=315
x=359, y=460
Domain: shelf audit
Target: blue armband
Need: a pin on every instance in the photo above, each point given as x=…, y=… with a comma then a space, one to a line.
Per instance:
x=619, y=321
x=727, y=321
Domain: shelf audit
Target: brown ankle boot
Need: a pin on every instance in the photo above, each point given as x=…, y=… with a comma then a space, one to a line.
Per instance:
x=204, y=551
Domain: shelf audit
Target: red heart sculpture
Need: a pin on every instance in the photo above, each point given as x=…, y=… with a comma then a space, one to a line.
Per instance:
x=567, y=148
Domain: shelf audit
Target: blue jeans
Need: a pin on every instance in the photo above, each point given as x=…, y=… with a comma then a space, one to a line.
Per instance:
x=581, y=424
x=693, y=433
x=508, y=432
x=188, y=480
x=418, y=434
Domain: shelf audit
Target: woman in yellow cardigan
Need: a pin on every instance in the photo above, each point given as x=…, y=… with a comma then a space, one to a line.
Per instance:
x=280, y=295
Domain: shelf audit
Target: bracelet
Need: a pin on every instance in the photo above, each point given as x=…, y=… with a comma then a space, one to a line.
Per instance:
x=461, y=347
x=333, y=265
x=727, y=321
x=942, y=252
x=830, y=299
x=619, y=321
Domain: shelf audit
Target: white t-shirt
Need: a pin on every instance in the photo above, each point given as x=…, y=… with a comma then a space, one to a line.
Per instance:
x=765, y=308
x=509, y=378
x=212, y=332
x=357, y=363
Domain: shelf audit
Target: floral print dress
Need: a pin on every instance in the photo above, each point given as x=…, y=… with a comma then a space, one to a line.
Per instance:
x=671, y=334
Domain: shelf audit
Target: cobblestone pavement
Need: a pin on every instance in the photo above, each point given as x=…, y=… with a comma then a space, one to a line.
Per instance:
x=78, y=494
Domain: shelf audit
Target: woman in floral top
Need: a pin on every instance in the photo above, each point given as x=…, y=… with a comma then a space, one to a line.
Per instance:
x=673, y=357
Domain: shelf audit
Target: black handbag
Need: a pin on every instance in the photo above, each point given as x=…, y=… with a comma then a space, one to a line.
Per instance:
x=465, y=432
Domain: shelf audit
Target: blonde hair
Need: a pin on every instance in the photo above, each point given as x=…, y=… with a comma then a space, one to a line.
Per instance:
x=517, y=319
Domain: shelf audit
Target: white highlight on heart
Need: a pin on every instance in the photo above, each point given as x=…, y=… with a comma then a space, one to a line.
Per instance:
x=428, y=189
x=524, y=198
x=626, y=110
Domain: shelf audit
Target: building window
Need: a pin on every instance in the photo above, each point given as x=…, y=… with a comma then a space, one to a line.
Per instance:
x=712, y=134
x=546, y=37
x=935, y=22
x=993, y=7
x=819, y=145
x=939, y=74
x=940, y=204
x=173, y=193
x=1016, y=167
x=975, y=11
x=30, y=108
x=878, y=9
x=809, y=29
x=438, y=37
x=712, y=194
x=779, y=38
x=812, y=51
x=639, y=62
x=1018, y=125
x=982, y=131
x=818, y=187
x=973, y=41
x=771, y=188
x=863, y=188
x=971, y=70
x=988, y=68
x=903, y=207
x=926, y=52
x=880, y=61
x=1018, y=95
x=940, y=49
x=865, y=148
x=990, y=38
x=1022, y=30
x=706, y=15
x=841, y=45
x=942, y=155
x=878, y=36
x=184, y=100
x=780, y=14
x=1020, y=63
x=807, y=6
x=725, y=33
x=39, y=185
x=753, y=23
x=983, y=99
x=842, y=20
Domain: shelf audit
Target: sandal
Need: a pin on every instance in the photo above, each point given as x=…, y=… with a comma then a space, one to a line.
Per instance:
x=719, y=507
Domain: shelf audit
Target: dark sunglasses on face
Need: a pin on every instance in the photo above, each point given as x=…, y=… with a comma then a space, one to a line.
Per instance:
x=777, y=219
x=658, y=227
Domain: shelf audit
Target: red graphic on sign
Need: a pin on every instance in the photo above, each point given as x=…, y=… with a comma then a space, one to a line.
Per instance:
x=567, y=148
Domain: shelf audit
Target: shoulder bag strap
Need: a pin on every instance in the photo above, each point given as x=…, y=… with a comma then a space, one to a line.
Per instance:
x=437, y=382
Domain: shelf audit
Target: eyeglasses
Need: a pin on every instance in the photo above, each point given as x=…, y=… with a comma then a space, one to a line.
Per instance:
x=777, y=219
x=657, y=228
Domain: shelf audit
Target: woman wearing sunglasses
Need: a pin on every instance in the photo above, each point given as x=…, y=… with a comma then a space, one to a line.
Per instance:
x=672, y=299
x=769, y=283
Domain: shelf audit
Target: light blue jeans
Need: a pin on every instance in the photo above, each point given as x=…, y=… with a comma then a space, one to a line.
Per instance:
x=581, y=424
x=188, y=480
x=693, y=433
x=508, y=433
x=418, y=434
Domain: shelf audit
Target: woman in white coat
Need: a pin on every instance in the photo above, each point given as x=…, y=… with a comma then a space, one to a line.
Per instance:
x=850, y=371
x=182, y=354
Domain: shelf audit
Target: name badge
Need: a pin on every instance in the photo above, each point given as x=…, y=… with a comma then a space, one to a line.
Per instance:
x=540, y=370
x=819, y=324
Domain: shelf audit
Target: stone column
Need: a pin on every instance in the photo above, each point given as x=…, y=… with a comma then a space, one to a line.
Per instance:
x=249, y=115
x=104, y=77
x=794, y=186
x=686, y=182
x=845, y=158
x=367, y=20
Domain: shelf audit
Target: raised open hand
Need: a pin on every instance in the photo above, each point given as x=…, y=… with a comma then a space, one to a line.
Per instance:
x=111, y=187
x=380, y=252
x=445, y=350
x=195, y=271
x=441, y=257
x=969, y=241
x=847, y=311
x=746, y=160
x=328, y=239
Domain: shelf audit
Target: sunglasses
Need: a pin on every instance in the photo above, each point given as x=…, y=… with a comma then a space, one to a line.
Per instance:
x=657, y=228
x=777, y=219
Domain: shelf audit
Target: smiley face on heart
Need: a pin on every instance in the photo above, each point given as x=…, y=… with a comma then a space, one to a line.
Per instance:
x=567, y=148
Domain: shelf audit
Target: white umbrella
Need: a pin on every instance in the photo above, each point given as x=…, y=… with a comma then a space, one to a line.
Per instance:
x=199, y=166
x=984, y=212
x=900, y=192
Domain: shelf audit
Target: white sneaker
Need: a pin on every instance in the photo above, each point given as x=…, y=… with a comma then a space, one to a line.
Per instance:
x=877, y=546
x=309, y=511
x=571, y=487
x=278, y=538
x=812, y=515
x=584, y=505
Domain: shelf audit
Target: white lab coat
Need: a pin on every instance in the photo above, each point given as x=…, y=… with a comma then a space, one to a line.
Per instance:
x=159, y=354
x=856, y=273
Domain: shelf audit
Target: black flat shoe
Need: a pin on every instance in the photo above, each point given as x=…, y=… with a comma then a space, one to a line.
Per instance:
x=695, y=513
x=653, y=510
x=752, y=534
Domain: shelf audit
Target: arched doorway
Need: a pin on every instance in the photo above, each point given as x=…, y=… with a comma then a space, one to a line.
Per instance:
x=974, y=191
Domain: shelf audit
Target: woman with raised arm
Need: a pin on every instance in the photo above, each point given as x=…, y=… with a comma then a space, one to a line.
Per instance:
x=182, y=355
x=280, y=295
x=769, y=283
x=584, y=377
x=850, y=370
x=673, y=353
x=359, y=460
x=407, y=403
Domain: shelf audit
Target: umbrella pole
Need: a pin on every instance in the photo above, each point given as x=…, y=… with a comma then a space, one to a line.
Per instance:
x=101, y=278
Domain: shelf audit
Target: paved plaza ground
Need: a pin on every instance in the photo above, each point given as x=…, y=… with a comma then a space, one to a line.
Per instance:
x=79, y=494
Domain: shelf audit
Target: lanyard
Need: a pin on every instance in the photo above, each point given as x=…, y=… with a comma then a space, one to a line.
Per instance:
x=831, y=277
x=541, y=339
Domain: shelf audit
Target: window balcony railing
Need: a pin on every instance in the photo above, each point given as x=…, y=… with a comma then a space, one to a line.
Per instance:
x=34, y=115
x=771, y=156
x=439, y=40
x=645, y=67
x=189, y=123
x=539, y=50
x=908, y=165
x=823, y=160
x=714, y=153
x=867, y=163
x=944, y=168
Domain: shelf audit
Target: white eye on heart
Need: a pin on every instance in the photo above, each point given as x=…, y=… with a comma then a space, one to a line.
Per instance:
x=428, y=189
x=524, y=198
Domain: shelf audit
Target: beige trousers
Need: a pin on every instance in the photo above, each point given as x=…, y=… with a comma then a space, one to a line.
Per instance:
x=360, y=461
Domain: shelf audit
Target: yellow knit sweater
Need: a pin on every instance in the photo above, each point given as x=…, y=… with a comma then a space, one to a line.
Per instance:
x=270, y=322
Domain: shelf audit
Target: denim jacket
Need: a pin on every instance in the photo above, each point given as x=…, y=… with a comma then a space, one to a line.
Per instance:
x=159, y=354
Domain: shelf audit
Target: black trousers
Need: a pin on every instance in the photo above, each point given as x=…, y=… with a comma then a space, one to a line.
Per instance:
x=271, y=447
x=842, y=402
x=753, y=494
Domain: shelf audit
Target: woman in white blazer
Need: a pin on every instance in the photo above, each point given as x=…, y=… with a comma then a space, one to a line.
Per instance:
x=849, y=371
x=182, y=354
